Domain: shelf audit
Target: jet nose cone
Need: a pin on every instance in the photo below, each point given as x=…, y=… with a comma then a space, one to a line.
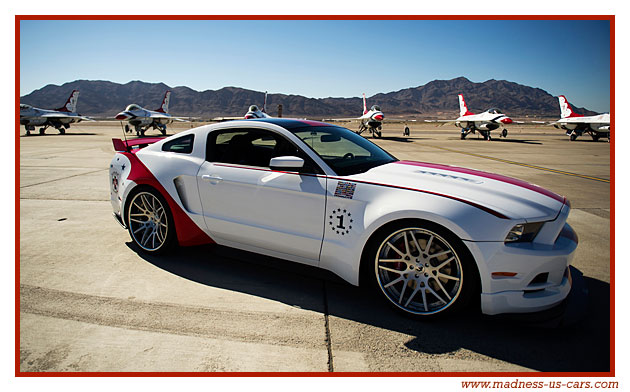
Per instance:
x=506, y=120
x=122, y=116
x=379, y=117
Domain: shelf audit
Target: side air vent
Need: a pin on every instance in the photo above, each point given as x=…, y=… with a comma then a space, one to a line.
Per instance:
x=181, y=192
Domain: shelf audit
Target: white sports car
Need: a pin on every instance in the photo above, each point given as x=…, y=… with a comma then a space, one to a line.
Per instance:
x=430, y=238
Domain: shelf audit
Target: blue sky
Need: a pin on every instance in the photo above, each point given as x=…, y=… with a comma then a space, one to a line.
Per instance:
x=322, y=58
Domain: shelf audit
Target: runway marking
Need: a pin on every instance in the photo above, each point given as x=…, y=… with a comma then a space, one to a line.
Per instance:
x=63, y=178
x=523, y=164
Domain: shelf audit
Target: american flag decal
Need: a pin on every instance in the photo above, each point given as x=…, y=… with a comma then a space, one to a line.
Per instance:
x=345, y=189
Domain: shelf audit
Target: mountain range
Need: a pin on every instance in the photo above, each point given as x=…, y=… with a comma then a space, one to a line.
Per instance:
x=438, y=98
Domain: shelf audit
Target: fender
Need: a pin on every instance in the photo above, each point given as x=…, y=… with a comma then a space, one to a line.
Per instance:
x=188, y=233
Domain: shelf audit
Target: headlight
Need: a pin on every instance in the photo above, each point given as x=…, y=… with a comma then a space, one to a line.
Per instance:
x=524, y=232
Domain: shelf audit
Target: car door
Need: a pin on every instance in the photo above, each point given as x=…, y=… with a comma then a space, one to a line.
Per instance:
x=246, y=204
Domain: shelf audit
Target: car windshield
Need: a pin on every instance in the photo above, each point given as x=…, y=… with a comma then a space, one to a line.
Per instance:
x=343, y=150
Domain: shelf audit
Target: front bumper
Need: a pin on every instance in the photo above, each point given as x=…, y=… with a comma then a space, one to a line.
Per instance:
x=524, y=301
x=542, y=278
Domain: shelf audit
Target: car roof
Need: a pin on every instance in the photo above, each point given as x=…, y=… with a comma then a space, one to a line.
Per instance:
x=291, y=123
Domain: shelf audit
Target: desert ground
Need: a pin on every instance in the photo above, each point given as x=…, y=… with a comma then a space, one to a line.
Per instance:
x=90, y=302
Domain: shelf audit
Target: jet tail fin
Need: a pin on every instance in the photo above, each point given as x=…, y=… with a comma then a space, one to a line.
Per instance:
x=364, y=104
x=264, y=109
x=164, y=106
x=71, y=104
x=463, y=109
x=565, y=108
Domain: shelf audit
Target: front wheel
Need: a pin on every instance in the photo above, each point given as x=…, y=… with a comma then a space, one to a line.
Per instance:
x=421, y=269
x=150, y=222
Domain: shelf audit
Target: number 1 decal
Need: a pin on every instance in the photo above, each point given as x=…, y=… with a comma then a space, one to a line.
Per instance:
x=340, y=221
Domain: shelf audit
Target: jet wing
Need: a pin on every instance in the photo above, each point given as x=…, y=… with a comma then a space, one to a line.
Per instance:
x=164, y=115
x=65, y=115
x=441, y=121
x=220, y=119
x=341, y=119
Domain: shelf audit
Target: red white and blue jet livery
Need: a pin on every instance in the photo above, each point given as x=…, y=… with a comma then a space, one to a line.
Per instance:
x=142, y=119
x=576, y=124
x=60, y=119
x=371, y=120
x=429, y=238
x=483, y=123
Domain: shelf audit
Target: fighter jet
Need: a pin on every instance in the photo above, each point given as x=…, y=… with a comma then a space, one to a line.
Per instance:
x=60, y=119
x=483, y=123
x=142, y=119
x=576, y=124
x=371, y=120
x=255, y=112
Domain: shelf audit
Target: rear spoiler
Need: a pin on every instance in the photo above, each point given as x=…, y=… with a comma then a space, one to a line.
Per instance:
x=133, y=144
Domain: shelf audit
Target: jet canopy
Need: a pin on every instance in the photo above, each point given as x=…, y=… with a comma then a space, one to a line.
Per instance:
x=494, y=111
x=132, y=107
x=376, y=108
x=24, y=106
x=253, y=108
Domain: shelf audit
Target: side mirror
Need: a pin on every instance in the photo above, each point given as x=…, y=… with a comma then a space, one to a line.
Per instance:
x=286, y=163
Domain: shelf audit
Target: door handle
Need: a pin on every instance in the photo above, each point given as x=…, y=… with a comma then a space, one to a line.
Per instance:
x=211, y=179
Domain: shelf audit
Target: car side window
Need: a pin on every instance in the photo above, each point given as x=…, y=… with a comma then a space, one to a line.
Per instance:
x=183, y=145
x=250, y=147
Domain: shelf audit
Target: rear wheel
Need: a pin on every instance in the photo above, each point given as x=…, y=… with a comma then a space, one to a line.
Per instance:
x=421, y=269
x=150, y=222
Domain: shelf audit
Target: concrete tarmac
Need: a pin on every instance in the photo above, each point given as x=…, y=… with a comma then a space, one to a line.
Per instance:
x=90, y=301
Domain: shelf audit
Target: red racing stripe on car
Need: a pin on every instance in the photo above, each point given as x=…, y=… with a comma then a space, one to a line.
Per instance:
x=471, y=203
x=497, y=177
x=188, y=233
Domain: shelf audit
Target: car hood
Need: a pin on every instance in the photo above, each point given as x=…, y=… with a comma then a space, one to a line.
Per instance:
x=508, y=196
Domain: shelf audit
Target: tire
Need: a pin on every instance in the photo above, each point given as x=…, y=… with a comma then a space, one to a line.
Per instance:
x=595, y=137
x=150, y=222
x=62, y=131
x=573, y=136
x=504, y=133
x=463, y=136
x=42, y=131
x=427, y=283
x=28, y=133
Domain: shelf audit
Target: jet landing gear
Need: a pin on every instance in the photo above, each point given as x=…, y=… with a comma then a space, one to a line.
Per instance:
x=141, y=130
x=162, y=128
x=376, y=132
